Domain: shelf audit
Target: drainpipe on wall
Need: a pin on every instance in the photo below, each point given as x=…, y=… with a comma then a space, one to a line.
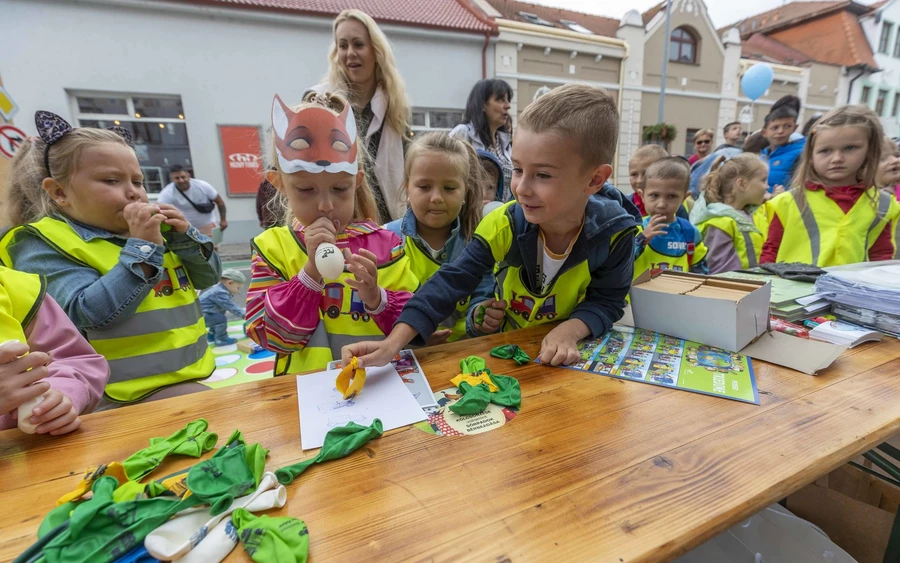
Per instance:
x=862, y=71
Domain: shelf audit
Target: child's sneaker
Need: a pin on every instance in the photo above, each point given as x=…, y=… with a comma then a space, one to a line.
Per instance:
x=210, y=337
x=226, y=342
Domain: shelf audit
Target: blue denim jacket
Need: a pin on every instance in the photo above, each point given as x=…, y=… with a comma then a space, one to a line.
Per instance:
x=95, y=301
x=217, y=299
x=453, y=249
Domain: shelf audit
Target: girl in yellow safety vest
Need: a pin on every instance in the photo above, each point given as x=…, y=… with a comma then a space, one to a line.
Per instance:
x=834, y=214
x=125, y=270
x=445, y=185
x=43, y=355
x=291, y=308
x=729, y=213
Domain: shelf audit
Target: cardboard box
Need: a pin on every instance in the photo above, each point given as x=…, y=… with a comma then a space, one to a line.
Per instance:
x=727, y=314
x=856, y=510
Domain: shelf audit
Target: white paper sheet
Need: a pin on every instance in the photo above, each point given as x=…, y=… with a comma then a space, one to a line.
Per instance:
x=322, y=408
x=407, y=366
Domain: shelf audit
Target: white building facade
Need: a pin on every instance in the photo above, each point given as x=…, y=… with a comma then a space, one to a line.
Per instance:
x=176, y=71
x=881, y=91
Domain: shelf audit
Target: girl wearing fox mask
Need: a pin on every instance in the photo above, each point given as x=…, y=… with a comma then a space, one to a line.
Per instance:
x=291, y=309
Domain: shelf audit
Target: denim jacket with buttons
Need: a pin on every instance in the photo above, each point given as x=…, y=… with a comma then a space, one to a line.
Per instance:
x=95, y=301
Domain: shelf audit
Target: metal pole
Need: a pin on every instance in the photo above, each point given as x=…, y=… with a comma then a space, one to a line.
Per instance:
x=665, y=65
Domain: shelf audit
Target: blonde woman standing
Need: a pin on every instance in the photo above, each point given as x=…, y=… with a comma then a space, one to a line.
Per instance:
x=361, y=64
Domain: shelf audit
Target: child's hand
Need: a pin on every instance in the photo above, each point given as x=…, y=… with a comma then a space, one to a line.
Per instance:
x=494, y=312
x=174, y=218
x=778, y=189
x=370, y=354
x=363, y=268
x=560, y=346
x=17, y=384
x=143, y=221
x=321, y=230
x=439, y=337
x=55, y=415
x=655, y=227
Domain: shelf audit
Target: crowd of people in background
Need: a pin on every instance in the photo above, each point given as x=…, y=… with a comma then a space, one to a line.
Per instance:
x=444, y=235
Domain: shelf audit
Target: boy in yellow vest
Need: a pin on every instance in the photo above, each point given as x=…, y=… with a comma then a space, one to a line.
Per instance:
x=668, y=242
x=562, y=251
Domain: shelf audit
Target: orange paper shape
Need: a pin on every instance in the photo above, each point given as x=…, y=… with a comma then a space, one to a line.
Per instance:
x=348, y=388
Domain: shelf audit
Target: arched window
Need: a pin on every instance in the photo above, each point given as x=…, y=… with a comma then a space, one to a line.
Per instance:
x=683, y=46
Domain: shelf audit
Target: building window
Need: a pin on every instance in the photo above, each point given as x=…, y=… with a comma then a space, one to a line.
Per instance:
x=866, y=94
x=156, y=123
x=896, y=108
x=435, y=119
x=683, y=46
x=897, y=46
x=535, y=19
x=575, y=26
x=879, y=102
x=885, y=40
x=689, y=142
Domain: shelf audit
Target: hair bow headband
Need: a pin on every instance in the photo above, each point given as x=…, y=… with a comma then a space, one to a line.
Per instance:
x=51, y=128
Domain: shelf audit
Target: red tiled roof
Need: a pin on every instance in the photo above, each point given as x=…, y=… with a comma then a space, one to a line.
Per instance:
x=651, y=13
x=784, y=15
x=767, y=49
x=876, y=5
x=442, y=14
x=836, y=38
x=598, y=24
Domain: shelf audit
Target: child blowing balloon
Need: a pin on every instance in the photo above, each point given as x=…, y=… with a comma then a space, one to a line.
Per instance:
x=84, y=223
x=43, y=358
x=835, y=215
x=729, y=213
x=292, y=309
x=444, y=184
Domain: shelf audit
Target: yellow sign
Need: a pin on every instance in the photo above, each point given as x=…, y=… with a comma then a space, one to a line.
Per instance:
x=8, y=106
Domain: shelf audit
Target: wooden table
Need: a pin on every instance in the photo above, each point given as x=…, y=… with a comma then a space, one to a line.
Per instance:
x=593, y=468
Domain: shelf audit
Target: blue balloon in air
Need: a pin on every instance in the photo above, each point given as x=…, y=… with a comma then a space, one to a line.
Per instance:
x=757, y=80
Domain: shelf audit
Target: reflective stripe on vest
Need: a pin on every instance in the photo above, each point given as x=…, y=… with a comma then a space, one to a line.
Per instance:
x=21, y=296
x=839, y=244
x=342, y=316
x=162, y=343
x=747, y=244
x=423, y=266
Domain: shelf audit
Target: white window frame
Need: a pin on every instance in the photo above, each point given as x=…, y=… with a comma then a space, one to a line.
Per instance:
x=427, y=126
x=129, y=107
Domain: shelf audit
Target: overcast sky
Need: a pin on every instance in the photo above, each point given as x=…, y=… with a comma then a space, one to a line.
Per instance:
x=722, y=12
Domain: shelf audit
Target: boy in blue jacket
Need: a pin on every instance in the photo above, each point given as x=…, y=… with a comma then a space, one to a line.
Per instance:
x=562, y=250
x=785, y=144
x=218, y=300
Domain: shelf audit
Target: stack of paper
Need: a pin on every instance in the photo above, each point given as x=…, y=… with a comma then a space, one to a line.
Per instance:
x=867, y=293
x=791, y=300
x=838, y=332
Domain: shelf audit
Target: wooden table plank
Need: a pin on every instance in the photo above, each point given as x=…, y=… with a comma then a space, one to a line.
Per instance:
x=579, y=440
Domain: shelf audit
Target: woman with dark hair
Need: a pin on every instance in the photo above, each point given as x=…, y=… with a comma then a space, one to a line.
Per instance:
x=485, y=124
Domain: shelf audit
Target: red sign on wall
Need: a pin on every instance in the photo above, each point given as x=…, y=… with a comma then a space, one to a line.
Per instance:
x=242, y=158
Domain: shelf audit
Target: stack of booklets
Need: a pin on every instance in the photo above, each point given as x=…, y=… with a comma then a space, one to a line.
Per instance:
x=841, y=333
x=867, y=294
x=791, y=300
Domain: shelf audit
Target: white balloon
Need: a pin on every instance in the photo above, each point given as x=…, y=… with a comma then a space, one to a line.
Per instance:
x=329, y=261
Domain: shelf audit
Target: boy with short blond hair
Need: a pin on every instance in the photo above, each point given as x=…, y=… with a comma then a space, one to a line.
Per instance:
x=638, y=164
x=557, y=252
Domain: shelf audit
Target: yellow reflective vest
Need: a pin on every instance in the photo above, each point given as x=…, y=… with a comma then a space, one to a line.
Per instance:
x=822, y=234
x=423, y=266
x=162, y=344
x=342, y=316
x=21, y=296
x=747, y=244
x=499, y=231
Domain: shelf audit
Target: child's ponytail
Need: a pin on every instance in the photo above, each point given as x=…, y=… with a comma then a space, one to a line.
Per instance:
x=712, y=184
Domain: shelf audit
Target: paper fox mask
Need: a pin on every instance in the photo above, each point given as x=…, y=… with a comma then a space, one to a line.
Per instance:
x=314, y=139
